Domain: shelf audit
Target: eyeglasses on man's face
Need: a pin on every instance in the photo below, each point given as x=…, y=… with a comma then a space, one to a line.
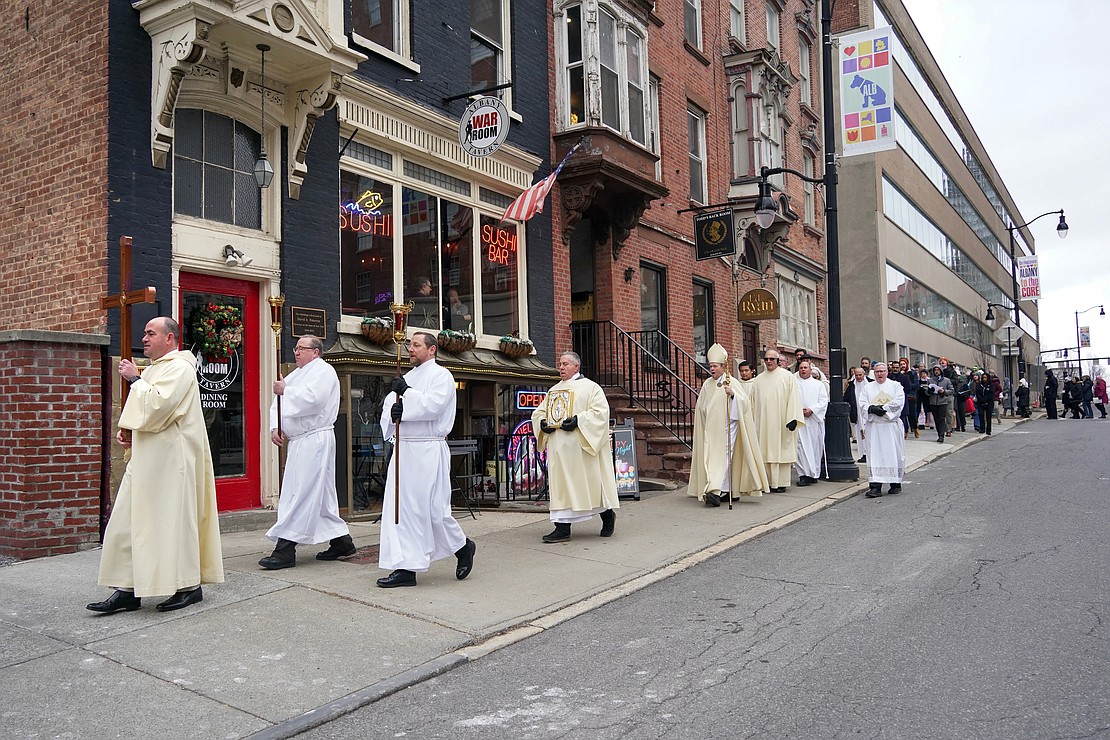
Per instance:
x=303, y=349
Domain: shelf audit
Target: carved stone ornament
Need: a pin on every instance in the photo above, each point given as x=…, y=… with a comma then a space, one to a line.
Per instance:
x=311, y=104
x=177, y=50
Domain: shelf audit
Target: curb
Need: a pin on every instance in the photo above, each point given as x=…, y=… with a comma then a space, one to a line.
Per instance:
x=334, y=710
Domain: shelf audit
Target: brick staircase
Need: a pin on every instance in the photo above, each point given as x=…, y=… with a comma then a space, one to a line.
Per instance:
x=659, y=453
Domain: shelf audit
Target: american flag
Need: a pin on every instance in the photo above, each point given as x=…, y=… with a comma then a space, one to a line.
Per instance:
x=531, y=201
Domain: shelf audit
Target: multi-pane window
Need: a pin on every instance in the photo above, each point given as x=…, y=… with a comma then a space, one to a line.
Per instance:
x=696, y=131
x=489, y=44
x=797, y=315
x=741, y=146
x=773, y=23
x=381, y=23
x=602, y=83
x=736, y=19
x=810, y=214
x=805, y=91
x=213, y=166
x=692, y=22
x=366, y=226
x=772, y=136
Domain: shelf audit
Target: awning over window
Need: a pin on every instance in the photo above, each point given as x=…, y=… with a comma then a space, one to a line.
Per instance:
x=355, y=353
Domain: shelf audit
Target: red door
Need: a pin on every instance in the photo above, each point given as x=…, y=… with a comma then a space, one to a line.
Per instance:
x=219, y=321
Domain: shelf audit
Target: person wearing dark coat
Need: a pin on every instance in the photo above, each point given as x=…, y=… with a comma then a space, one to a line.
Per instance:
x=984, y=401
x=1021, y=395
x=1087, y=396
x=1073, y=393
x=940, y=392
x=963, y=392
x=1051, y=388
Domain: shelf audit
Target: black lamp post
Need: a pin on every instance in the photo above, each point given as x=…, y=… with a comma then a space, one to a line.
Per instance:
x=839, y=459
x=1078, y=341
x=1062, y=232
x=990, y=317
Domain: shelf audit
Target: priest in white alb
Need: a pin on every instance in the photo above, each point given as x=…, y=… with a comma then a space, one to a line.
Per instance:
x=726, y=458
x=572, y=426
x=308, y=509
x=882, y=401
x=778, y=414
x=418, y=414
x=164, y=533
x=814, y=396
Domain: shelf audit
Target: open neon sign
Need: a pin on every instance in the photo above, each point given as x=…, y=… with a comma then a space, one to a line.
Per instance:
x=365, y=217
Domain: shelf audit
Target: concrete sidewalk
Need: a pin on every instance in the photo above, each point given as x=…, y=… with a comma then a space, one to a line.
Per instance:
x=272, y=653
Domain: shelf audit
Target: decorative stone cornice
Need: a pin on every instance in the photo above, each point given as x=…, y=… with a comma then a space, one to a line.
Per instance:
x=311, y=104
x=176, y=51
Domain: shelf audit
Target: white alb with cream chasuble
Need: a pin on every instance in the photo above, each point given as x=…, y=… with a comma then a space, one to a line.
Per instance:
x=164, y=532
x=814, y=395
x=427, y=530
x=308, y=510
x=581, y=477
x=710, y=467
x=886, y=443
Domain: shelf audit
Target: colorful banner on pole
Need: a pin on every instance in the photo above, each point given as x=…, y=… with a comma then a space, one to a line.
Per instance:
x=866, y=92
x=1085, y=336
x=1029, y=278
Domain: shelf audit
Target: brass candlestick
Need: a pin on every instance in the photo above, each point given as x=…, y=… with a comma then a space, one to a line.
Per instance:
x=400, y=313
x=276, y=302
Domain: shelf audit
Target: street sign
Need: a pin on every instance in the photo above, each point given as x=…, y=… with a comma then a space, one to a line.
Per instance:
x=1014, y=332
x=484, y=126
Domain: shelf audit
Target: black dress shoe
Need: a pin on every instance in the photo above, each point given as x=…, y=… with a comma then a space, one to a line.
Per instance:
x=805, y=480
x=779, y=489
x=276, y=562
x=119, y=600
x=608, y=522
x=181, y=599
x=398, y=578
x=862, y=459
x=466, y=559
x=561, y=533
x=895, y=488
x=340, y=547
x=712, y=499
x=874, y=491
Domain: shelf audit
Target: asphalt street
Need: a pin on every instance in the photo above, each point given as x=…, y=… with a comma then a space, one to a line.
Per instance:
x=973, y=605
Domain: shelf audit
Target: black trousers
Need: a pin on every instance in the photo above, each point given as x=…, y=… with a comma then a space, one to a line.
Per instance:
x=1050, y=406
x=986, y=416
x=940, y=418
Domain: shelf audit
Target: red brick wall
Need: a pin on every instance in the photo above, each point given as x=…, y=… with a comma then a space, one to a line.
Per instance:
x=53, y=165
x=50, y=445
x=665, y=236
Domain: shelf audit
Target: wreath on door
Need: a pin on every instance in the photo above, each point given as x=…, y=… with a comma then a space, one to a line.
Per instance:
x=217, y=330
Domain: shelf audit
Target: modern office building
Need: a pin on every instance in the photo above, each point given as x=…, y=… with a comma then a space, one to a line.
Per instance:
x=923, y=227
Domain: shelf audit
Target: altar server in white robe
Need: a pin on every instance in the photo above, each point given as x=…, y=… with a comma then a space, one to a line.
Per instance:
x=882, y=401
x=572, y=425
x=164, y=533
x=724, y=463
x=778, y=414
x=423, y=401
x=811, y=438
x=308, y=509
x=859, y=383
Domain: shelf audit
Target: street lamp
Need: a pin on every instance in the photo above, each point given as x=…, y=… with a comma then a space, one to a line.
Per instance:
x=1078, y=342
x=1062, y=232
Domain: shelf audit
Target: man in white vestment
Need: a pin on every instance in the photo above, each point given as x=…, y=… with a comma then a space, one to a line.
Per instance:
x=420, y=410
x=308, y=509
x=814, y=396
x=881, y=402
x=859, y=427
x=164, y=533
x=726, y=459
x=778, y=414
x=745, y=379
x=572, y=425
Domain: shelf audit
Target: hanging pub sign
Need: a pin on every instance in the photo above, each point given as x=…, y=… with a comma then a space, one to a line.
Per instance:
x=757, y=305
x=484, y=126
x=714, y=235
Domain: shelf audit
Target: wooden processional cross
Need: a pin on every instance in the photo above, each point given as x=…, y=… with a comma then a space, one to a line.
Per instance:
x=123, y=301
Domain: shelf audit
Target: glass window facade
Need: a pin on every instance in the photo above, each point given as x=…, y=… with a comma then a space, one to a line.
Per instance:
x=908, y=296
x=213, y=164
x=797, y=315
x=499, y=258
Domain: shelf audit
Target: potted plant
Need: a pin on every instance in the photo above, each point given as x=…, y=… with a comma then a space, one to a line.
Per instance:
x=378, y=329
x=457, y=341
x=514, y=346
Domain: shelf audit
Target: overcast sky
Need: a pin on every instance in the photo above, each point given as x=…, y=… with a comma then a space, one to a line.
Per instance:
x=1031, y=76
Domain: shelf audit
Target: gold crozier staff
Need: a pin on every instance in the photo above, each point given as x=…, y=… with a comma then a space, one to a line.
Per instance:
x=400, y=313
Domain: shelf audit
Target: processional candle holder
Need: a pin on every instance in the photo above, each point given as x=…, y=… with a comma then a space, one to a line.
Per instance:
x=276, y=302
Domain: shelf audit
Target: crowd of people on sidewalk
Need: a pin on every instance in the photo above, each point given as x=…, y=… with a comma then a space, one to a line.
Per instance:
x=1080, y=396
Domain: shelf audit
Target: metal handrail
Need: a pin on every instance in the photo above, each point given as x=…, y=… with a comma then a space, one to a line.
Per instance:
x=655, y=373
